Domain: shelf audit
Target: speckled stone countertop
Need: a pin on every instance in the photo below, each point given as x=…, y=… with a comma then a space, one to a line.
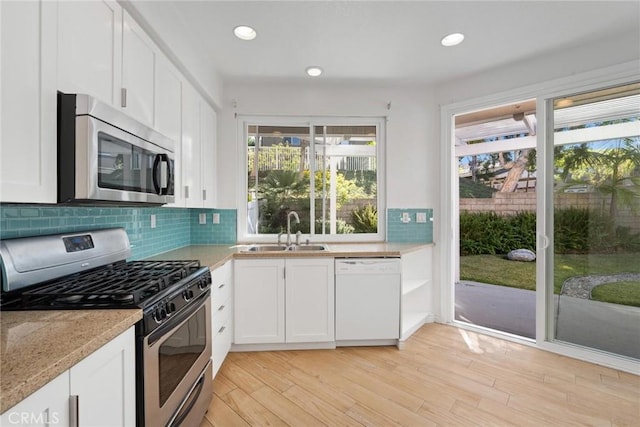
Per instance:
x=216, y=255
x=37, y=346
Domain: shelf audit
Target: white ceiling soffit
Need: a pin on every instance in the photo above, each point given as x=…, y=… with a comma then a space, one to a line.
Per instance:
x=611, y=109
x=496, y=128
x=385, y=42
x=627, y=107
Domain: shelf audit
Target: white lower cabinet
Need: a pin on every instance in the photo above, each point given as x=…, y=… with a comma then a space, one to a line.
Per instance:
x=283, y=301
x=47, y=406
x=105, y=384
x=309, y=300
x=97, y=391
x=221, y=313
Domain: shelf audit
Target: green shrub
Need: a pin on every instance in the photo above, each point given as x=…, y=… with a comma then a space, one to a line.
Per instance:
x=490, y=233
x=580, y=231
x=365, y=219
x=576, y=231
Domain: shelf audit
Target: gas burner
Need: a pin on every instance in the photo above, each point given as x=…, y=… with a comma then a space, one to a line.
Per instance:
x=69, y=299
x=123, y=298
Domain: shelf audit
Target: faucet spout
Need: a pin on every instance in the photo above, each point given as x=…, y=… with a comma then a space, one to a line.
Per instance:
x=297, y=218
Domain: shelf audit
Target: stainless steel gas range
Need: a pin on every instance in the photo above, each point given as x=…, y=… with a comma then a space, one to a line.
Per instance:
x=88, y=270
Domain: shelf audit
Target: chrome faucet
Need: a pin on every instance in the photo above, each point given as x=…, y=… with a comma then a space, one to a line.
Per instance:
x=295, y=214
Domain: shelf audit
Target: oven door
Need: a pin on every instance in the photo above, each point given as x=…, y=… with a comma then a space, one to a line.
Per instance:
x=176, y=367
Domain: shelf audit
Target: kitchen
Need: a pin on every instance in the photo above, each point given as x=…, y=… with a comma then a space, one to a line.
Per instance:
x=412, y=112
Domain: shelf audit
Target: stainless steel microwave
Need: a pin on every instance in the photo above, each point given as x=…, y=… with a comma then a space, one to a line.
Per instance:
x=106, y=156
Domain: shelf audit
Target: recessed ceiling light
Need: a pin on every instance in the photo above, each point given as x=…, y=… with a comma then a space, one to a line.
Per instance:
x=452, y=39
x=314, y=71
x=244, y=32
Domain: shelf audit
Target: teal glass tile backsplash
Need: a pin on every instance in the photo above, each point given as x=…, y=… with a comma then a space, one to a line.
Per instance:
x=210, y=233
x=174, y=226
x=412, y=231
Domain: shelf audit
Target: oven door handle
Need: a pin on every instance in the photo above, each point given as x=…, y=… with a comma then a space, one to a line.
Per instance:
x=178, y=318
x=187, y=404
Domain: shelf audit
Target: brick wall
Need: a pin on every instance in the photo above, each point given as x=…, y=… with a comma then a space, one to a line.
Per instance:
x=512, y=203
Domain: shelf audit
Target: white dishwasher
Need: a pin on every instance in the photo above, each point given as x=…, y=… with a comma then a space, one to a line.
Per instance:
x=367, y=301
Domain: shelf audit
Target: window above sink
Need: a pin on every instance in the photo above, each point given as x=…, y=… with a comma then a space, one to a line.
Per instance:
x=327, y=169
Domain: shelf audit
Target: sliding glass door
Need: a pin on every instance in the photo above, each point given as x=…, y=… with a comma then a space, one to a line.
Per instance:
x=596, y=220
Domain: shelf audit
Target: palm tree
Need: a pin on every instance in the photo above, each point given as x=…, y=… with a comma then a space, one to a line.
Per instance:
x=613, y=170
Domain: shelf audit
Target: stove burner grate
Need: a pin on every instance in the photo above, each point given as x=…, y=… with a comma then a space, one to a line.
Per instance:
x=123, y=284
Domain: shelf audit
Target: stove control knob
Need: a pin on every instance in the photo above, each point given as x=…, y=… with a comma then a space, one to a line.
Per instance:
x=156, y=316
x=204, y=284
x=187, y=294
x=171, y=307
x=163, y=314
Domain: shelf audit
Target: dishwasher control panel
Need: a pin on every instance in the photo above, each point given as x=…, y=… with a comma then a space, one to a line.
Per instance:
x=367, y=266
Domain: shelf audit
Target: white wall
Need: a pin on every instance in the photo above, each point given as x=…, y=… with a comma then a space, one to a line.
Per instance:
x=412, y=131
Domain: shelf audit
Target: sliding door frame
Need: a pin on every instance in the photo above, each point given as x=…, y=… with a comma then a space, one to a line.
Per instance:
x=544, y=93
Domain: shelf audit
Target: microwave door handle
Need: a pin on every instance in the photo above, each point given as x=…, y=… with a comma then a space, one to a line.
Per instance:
x=161, y=172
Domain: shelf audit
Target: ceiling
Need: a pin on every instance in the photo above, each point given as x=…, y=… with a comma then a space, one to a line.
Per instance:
x=390, y=42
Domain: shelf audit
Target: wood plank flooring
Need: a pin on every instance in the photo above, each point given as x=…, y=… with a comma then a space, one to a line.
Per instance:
x=445, y=376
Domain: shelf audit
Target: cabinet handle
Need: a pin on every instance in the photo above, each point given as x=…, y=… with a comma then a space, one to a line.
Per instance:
x=222, y=329
x=221, y=308
x=186, y=191
x=204, y=194
x=74, y=411
x=123, y=97
x=221, y=286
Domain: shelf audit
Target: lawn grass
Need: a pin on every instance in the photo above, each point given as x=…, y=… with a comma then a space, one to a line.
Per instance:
x=627, y=293
x=496, y=269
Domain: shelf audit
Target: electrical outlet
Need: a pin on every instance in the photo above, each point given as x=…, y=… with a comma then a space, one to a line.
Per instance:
x=153, y=220
x=406, y=218
x=421, y=217
x=216, y=218
x=202, y=218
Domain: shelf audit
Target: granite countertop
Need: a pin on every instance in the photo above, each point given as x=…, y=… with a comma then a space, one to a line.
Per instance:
x=37, y=346
x=216, y=255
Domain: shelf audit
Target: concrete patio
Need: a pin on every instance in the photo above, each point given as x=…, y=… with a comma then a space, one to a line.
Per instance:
x=604, y=326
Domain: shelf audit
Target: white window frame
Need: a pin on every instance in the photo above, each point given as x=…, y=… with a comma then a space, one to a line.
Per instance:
x=544, y=93
x=242, y=122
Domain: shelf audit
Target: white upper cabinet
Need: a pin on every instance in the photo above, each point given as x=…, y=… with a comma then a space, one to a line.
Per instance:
x=168, y=99
x=89, y=46
x=138, y=65
x=168, y=115
x=209, y=130
x=28, y=102
x=198, y=156
x=191, y=156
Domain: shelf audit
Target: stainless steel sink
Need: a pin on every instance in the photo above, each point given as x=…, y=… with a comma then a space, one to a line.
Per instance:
x=282, y=248
x=266, y=248
x=310, y=248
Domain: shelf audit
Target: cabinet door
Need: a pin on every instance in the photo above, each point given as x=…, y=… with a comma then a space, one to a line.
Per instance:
x=105, y=383
x=89, y=49
x=259, y=301
x=138, y=61
x=208, y=117
x=309, y=300
x=28, y=101
x=47, y=406
x=191, y=161
x=168, y=115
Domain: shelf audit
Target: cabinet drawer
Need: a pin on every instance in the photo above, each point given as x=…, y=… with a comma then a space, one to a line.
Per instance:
x=221, y=293
x=221, y=339
x=221, y=315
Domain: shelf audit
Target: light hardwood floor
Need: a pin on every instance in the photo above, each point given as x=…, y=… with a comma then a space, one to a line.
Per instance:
x=444, y=377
